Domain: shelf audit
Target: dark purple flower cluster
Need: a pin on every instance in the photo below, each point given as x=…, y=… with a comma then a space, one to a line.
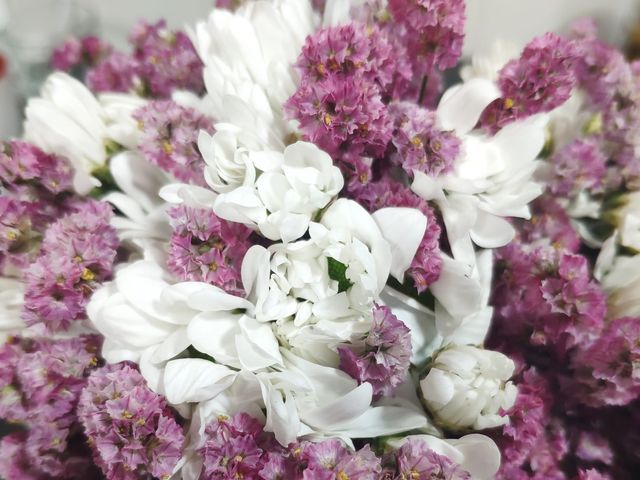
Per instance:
x=162, y=61
x=206, y=248
x=546, y=297
x=169, y=139
x=132, y=431
x=76, y=255
x=40, y=383
x=383, y=358
x=34, y=189
x=608, y=370
x=578, y=375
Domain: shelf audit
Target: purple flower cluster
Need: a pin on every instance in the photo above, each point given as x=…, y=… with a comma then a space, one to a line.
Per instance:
x=34, y=188
x=206, y=248
x=238, y=447
x=549, y=225
x=40, y=383
x=579, y=166
x=433, y=31
x=162, y=61
x=427, y=264
x=611, y=87
x=74, y=53
x=539, y=81
x=578, y=376
x=545, y=297
x=169, y=138
x=420, y=144
x=132, y=431
x=344, y=73
x=383, y=359
x=76, y=255
x=608, y=370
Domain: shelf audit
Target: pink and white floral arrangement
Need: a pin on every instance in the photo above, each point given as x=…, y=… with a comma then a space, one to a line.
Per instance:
x=274, y=246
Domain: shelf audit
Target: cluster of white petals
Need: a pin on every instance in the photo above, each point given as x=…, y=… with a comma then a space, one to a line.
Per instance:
x=68, y=120
x=492, y=178
x=467, y=387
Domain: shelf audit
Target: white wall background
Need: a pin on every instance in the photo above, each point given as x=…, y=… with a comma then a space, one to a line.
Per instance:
x=513, y=20
x=519, y=20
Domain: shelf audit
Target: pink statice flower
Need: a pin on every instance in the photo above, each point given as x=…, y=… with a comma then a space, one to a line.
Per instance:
x=76, y=255
x=415, y=460
x=346, y=74
x=167, y=60
x=234, y=448
x=23, y=163
x=608, y=370
x=549, y=225
x=162, y=61
x=40, y=383
x=579, y=166
x=118, y=72
x=75, y=52
x=169, y=138
x=383, y=358
x=34, y=191
x=420, y=144
x=132, y=431
x=331, y=459
x=434, y=31
x=341, y=114
x=546, y=297
x=206, y=248
x=539, y=81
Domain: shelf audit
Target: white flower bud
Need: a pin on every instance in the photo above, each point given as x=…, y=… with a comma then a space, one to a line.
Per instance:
x=466, y=388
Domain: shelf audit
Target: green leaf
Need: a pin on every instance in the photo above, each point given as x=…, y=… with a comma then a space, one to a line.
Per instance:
x=194, y=353
x=338, y=272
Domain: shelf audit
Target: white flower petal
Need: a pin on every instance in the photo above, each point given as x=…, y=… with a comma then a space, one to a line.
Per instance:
x=404, y=229
x=461, y=106
x=195, y=380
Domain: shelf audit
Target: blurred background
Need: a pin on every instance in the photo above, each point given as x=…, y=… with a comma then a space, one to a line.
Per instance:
x=30, y=29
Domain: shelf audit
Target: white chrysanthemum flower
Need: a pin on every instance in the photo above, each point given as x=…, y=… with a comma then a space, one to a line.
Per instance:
x=493, y=177
x=466, y=387
x=277, y=193
x=148, y=320
x=248, y=56
x=68, y=120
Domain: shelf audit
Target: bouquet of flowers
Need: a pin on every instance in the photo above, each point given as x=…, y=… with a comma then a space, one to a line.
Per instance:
x=280, y=245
